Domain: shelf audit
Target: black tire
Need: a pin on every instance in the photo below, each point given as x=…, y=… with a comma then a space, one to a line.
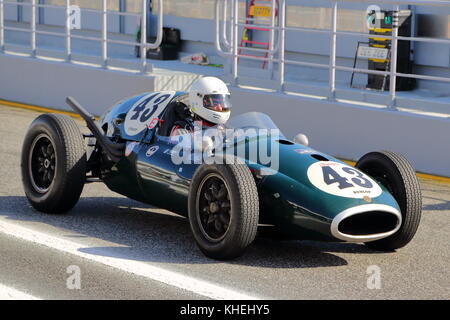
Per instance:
x=399, y=177
x=242, y=209
x=53, y=145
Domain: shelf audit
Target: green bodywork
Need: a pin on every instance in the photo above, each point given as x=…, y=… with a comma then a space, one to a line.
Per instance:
x=288, y=200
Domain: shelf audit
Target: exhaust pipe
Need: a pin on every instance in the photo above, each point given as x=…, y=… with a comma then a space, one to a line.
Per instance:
x=112, y=149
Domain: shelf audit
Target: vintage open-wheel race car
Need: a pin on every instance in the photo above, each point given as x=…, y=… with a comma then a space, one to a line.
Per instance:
x=304, y=194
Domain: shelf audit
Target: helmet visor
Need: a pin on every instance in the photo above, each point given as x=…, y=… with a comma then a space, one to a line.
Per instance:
x=217, y=102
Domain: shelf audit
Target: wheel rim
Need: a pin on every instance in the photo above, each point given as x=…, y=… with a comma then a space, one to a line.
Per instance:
x=382, y=177
x=42, y=163
x=213, y=207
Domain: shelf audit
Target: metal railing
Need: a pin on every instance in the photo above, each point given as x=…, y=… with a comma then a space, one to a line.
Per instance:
x=229, y=48
x=68, y=35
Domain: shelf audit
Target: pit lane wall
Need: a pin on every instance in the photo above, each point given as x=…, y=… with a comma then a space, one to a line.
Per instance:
x=47, y=83
x=339, y=129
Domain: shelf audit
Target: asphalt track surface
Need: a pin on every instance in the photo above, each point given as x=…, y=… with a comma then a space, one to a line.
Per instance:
x=126, y=250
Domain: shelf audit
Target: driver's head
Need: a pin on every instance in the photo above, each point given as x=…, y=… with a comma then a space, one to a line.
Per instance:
x=210, y=100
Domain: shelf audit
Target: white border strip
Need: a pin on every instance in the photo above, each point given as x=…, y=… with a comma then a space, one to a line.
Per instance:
x=7, y=293
x=175, y=279
x=359, y=210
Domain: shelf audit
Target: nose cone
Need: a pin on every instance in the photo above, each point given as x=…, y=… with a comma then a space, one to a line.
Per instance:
x=312, y=206
x=366, y=223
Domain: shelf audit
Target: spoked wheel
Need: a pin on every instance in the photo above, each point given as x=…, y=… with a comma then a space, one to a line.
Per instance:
x=213, y=207
x=53, y=163
x=42, y=163
x=223, y=209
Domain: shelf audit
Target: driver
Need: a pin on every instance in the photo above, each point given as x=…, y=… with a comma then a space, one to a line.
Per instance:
x=209, y=103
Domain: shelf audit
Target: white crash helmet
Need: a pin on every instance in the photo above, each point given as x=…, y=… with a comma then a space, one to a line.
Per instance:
x=210, y=100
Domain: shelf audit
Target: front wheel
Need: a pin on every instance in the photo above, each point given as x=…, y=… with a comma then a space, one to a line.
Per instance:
x=53, y=163
x=399, y=177
x=223, y=209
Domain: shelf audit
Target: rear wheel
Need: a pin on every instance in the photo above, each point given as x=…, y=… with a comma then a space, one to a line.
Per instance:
x=223, y=209
x=399, y=177
x=53, y=163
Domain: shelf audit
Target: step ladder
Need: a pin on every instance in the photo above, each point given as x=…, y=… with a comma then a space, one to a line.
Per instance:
x=258, y=9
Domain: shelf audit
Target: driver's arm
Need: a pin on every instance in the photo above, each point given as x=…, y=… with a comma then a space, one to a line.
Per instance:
x=184, y=122
x=176, y=111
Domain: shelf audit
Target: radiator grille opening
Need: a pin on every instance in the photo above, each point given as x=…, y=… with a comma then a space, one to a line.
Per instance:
x=319, y=157
x=367, y=223
x=287, y=142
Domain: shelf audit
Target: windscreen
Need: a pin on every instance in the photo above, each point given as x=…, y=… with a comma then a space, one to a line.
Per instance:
x=255, y=120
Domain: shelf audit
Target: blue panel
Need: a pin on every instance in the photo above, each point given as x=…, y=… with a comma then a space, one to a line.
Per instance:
x=19, y=12
x=41, y=13
x=122, y=8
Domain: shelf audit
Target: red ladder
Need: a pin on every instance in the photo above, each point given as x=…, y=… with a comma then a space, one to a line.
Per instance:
x=256, y=10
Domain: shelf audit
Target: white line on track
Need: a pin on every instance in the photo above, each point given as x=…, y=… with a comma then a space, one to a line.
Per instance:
x=175, y=279
x=8, y=293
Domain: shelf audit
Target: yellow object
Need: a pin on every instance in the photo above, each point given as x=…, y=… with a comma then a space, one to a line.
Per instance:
x=259, y=11
x=380, y=29
x=379, y=39
x=244, y=35
x=378, y=45
x=377, y=60
x=425, y=176
x=37, y=108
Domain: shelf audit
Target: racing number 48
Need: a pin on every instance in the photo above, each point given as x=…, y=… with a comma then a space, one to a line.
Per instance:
x=330, y=176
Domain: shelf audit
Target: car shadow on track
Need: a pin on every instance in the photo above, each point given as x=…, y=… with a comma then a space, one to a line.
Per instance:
x=435, y=196
x=437, y=205
x=148, y=234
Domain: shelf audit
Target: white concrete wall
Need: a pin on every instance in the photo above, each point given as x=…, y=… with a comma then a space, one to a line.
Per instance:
x=48, y=83
x=198, y=36
x=342, y=130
